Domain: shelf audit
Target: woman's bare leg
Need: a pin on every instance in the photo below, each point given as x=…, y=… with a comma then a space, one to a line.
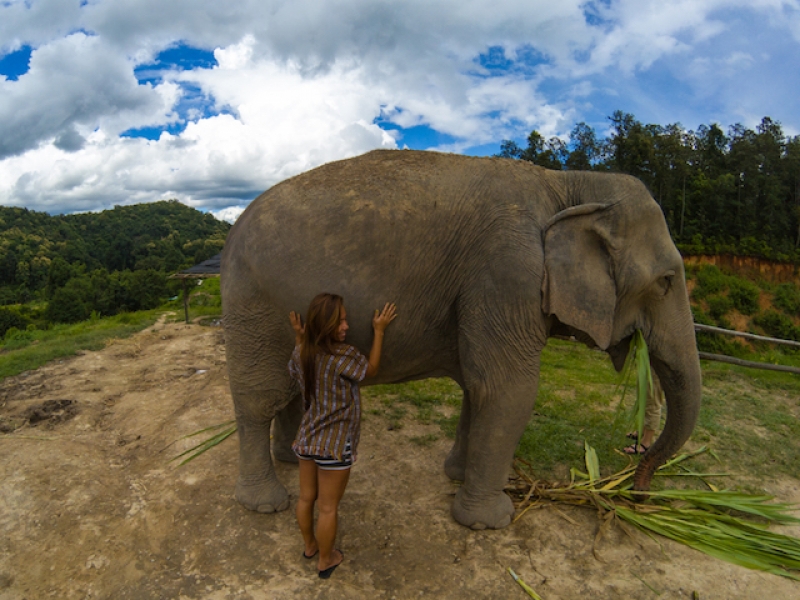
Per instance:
x=330, y=486
x=305, y=505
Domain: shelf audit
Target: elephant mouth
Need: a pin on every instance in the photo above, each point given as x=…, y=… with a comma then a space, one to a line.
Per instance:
x=619, y=352
x=563, y=331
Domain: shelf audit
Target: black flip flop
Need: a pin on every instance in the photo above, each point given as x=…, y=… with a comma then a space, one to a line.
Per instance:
x=635, y=449
x=307, y=557
x=329, y=571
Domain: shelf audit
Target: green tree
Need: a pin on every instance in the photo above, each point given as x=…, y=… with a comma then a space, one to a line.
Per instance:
x=67, y=306
x=59, y=273
x=710, y=150
x=631, y=149
x=8, y=268
x=148, y=288
x=585, y=149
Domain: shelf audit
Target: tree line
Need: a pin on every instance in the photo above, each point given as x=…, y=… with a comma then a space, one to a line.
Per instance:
x=62, y=268
x=721, y=193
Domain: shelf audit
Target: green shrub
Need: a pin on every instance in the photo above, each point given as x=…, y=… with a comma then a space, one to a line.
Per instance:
x=701, y=317
x=724, y=323
x=719, y=344
x=14, y=334
x=714, y=342
x=787, y=297
x=719, y=306
x=9, y=319
x=744, y=295
x=777, y=325
x=710, y=280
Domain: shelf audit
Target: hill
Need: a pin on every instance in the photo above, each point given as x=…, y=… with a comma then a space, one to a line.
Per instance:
x=106, y=262
x=738, y=299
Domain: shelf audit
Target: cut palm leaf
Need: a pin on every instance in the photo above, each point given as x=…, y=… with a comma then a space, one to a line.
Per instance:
x=207, y=444
x=528, y=589
x=725, y=524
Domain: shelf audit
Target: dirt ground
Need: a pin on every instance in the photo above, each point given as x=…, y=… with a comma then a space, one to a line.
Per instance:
x=92, y=507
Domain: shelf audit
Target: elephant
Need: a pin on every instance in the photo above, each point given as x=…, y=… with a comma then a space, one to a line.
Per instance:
x=486, y=258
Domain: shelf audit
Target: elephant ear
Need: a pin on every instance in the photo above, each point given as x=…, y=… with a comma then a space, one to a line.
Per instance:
x=579, y=287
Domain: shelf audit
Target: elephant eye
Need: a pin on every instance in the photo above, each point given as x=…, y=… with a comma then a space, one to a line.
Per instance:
x=665, y=282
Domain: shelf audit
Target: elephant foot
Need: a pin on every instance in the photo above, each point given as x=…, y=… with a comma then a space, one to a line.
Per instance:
x=494, y=512
x=284, y=454
x=262, y=497
x=455, y=467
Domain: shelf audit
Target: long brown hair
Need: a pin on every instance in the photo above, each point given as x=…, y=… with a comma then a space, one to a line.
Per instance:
x=322, y=322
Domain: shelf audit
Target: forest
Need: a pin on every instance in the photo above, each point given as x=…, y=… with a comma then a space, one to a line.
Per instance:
x=63, y=268
x=721, y=193
x=734, y=192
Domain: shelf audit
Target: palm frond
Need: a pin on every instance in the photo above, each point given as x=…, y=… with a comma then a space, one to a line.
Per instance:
x=528, y=589
x=726, y=524
x=207, y=444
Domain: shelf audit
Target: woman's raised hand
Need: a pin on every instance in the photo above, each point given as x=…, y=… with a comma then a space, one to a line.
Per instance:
x=297, y=325
x=382, y=318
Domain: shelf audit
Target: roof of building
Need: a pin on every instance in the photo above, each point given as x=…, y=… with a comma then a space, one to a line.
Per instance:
x=207, y=268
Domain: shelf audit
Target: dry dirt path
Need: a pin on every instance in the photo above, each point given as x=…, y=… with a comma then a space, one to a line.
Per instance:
x=91, y=507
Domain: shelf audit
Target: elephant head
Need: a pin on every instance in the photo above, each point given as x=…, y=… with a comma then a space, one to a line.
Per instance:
x=611, y=268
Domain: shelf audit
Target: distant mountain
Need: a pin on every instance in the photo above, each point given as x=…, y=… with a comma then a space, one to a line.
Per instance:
x=40, y=252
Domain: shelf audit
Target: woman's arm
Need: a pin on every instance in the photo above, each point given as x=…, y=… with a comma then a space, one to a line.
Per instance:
x=297, y=325
x=380, y=322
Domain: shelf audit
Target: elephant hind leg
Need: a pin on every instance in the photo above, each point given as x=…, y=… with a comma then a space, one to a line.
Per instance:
x=455, y=465
x=258, y=346
x=285, y=426
x=257, y=487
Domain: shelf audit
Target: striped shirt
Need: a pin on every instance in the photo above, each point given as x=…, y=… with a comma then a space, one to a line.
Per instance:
x=334, y=415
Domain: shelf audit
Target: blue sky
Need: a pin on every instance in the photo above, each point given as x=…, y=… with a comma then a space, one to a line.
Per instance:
x=116, y=102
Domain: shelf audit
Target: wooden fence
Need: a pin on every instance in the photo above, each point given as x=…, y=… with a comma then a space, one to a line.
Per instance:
x=746, y=363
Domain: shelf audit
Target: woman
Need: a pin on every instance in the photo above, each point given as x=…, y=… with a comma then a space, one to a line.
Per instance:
x=329, y=372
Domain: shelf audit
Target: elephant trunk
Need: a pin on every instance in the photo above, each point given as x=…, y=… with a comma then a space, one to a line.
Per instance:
x=682, y=383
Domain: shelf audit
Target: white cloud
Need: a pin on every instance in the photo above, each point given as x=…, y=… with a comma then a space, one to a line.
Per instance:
x=229, y=214
x=75, y=85
x=304, y=81
x=286, y=124
x=36, y=23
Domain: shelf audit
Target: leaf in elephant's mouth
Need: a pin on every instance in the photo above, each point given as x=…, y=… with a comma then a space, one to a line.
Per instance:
x=638, y=362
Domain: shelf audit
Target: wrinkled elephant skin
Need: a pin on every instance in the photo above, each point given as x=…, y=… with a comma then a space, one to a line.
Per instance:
x=485, y=258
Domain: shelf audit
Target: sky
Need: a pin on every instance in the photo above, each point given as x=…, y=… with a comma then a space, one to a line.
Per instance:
x=116, y=102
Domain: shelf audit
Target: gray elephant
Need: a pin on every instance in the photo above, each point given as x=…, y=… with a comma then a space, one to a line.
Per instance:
x=485, y=258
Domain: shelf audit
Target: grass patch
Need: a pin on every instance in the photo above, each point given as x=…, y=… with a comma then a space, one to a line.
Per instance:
x=424, y=399
x=30, y=349
x=424, y=440
x=578, y=402
x=749, y=419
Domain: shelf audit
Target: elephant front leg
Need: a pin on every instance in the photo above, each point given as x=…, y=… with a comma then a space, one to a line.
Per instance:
x=257, y=487
x=498, y=419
